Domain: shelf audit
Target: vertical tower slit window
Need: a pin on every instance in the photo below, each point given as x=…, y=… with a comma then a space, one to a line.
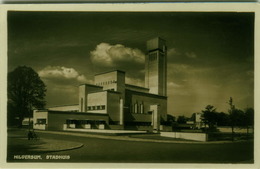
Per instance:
x=136, y=108
x=142, y=108
x=81, y=102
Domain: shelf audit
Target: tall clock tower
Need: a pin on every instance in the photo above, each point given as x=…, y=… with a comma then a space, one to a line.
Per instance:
x=156, y=66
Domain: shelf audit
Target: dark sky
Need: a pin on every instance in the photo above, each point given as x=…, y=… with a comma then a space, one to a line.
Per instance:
x=210, y=55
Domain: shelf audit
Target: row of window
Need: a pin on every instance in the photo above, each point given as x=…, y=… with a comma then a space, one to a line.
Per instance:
x=80, y=122
x=99, y=107
x=153, y=56
x=106, y=83
x=138, y=108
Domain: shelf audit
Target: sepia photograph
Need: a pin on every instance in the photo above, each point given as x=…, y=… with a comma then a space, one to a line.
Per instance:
x=130, y=87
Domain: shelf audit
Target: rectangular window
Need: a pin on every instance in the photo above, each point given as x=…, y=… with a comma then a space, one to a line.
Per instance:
x=141, y=108
x=136, y=108
x=103, y=107
x=81, y=102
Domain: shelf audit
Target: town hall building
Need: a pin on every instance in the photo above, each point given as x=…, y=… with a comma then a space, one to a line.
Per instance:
x=110, y=103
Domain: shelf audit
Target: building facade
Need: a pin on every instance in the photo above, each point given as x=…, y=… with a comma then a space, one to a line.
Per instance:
x=110, y=103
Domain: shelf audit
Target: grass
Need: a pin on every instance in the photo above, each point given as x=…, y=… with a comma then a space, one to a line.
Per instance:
x=18, y=144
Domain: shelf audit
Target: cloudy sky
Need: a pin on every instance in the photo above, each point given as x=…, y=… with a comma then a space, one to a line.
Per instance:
x=210, y=55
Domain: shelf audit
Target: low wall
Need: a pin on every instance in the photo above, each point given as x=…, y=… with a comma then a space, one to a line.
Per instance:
x=116, y=127
x=144, y=128
x=187, y=136
x=140, y=128
x=228, y=129
x=166, y=128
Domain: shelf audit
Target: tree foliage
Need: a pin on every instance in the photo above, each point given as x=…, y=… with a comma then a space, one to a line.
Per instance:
x=249, y=117
x=193, y=117
x=182, y=119
x=209, y=116
x=25, y=91
x=239, y=118
x=170, y=118
x=222, y=119
x=236, y=116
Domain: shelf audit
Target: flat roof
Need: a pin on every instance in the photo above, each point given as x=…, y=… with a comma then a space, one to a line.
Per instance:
x=110, y=72
x=147, y=94
x=137, y=86
x=92, y=85
x=109, y=91
x=71, y=112
x=63, y=105
x=156, y=38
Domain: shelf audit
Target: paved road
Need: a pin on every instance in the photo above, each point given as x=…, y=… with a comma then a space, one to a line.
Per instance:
x=118, y=151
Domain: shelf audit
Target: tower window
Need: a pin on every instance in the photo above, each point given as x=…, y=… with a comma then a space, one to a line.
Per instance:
x=81, y=102
x=153, y=56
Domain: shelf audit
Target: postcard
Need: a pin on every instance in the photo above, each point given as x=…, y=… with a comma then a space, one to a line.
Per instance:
x=129, y=85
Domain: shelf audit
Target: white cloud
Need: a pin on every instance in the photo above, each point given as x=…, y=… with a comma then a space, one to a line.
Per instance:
x=174, y=85
x=179, y=68
x=134, y=81
x=61, y=72
x=191, y=55
x=109, y=55
x=173, y=52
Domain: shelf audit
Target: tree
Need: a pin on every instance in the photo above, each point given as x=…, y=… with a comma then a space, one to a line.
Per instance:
x=26, y=91
x=231, y=112
x=182, y=119
x=209, y=116
x=236, y=117
x=249, y=118
x=170, y=118
x=193, y=117
x=222, y=119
